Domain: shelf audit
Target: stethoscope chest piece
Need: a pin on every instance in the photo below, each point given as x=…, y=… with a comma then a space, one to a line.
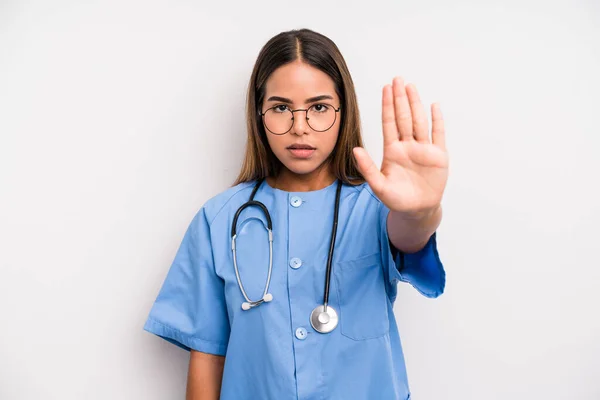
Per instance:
x=323, y=321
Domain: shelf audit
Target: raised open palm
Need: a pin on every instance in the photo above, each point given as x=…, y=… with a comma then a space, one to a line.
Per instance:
x=414, y=170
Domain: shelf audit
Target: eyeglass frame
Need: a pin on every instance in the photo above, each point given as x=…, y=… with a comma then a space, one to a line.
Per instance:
x=262, y=115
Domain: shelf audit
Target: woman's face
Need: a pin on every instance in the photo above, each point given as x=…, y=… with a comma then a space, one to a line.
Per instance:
x=295, y=85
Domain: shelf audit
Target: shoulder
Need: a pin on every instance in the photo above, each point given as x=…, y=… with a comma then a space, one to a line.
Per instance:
x=365, y=191
x=235, y=194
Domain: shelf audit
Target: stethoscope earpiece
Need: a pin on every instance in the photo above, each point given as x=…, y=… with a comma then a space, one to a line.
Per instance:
x=249, y=304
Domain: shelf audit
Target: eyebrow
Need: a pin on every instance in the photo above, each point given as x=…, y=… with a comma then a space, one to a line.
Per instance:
x=309, y=100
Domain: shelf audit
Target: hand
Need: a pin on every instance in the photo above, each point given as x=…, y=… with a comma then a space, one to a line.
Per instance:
x=414, y=170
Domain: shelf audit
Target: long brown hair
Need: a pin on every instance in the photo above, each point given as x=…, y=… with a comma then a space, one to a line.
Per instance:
x=320, y=52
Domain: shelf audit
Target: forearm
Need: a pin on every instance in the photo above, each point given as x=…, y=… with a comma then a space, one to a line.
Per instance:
x=409, y=232
x=204, y=376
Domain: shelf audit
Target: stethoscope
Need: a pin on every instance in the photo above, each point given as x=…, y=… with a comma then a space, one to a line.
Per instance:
x=323, y=318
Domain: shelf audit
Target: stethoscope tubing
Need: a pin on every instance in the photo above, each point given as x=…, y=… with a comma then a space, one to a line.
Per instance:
x=266, y=296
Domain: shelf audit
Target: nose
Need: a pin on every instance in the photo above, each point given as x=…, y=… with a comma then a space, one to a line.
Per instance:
x=300, y=126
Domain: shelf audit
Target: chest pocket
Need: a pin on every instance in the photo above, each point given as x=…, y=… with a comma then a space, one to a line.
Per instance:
x=362, y=296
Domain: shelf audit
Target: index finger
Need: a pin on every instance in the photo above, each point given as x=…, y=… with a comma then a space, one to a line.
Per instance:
x=390, y=131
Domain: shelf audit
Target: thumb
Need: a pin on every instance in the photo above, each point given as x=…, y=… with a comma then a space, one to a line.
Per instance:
x=368, y=169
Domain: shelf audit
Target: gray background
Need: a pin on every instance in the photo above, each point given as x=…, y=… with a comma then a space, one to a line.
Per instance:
x=118, y=119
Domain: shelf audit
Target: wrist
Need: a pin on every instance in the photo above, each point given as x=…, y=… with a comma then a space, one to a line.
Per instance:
x=423, y=214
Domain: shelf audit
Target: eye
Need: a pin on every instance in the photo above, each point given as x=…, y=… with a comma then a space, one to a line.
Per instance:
x=320, y=108
x=280, y=108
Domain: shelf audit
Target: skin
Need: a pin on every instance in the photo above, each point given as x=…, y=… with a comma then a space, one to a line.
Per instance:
x=298, y=82
x=410, y=181
x=414, y=170
x=205, y=374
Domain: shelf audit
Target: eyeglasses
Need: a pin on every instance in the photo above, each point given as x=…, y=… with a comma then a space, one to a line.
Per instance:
x=279, y=119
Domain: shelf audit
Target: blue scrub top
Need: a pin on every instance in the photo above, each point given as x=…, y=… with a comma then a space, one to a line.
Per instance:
x=272, y=351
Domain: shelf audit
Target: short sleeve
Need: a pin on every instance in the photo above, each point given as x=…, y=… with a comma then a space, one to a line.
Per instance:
x=190, y=309
x=423, y=269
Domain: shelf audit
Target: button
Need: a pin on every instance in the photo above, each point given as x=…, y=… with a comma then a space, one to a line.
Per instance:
x=296, y=201
x=301, y=333
x=295, y=263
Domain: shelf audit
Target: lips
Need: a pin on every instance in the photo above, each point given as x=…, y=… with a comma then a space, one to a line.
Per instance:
x=300, y=147
x=301, y=151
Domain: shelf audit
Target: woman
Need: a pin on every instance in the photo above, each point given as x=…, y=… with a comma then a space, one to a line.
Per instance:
x=309, y=314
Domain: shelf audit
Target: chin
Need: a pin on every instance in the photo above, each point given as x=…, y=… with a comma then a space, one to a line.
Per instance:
x=301, y=168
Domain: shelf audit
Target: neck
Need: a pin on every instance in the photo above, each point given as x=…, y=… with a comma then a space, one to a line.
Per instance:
x=292, y=182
